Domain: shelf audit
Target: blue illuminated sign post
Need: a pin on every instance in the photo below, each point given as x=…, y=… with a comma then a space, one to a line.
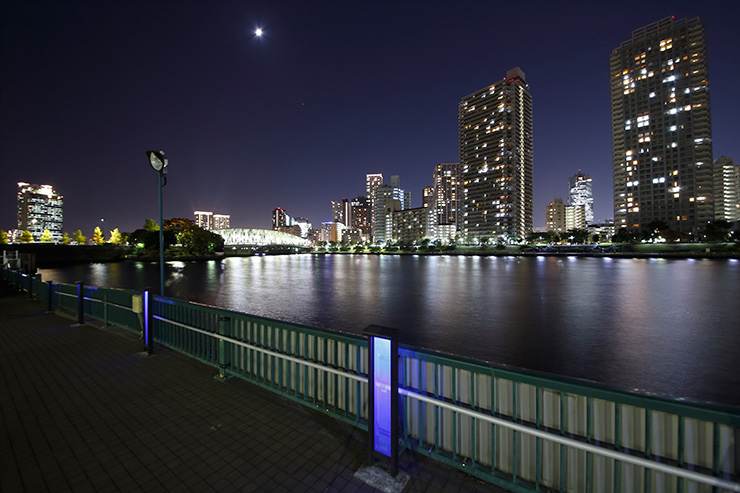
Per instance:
x=383, y=395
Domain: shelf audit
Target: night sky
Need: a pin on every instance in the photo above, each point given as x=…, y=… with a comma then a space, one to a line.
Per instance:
x=295, y=119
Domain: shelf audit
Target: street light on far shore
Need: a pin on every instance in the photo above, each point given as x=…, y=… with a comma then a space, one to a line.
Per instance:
x=159, y=163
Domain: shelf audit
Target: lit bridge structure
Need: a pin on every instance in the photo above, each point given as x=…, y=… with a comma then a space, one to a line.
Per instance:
x=260, y=239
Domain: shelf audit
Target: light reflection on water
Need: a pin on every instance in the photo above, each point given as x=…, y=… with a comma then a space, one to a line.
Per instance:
x=667, y=326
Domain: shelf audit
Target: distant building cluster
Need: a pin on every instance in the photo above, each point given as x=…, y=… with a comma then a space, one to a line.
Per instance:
x=578, y=212
x=662, y=159
x=664, y=175
x=208, y=220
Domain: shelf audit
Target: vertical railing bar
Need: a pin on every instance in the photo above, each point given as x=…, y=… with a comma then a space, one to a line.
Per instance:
x=358, y=384
x=336, y=377
x=715, y=452
x=681, y=448
x=493, y=426
x=474, y=432
x=454, y=414
x=346, y=381
x=325, y=375
x=648, y=448
x=436, y=408
x=404, y=382
x=281, y=362
x=273, y=360
x=306, y=369
x=589, y=404
x=422, y=407
x=562, y=447
x=315, y=370
x=514, y=396
x=617, y=444
x=537, y=440
x=292, y=366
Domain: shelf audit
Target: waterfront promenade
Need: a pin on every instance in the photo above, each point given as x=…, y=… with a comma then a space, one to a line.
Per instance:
x=83, y=409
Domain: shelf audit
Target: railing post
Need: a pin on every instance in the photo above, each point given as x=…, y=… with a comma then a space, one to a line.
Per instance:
x=80, y=302
x=224, y=357
x=31, y=282
x=383, y=420
x=49, y=295
x=148, y=325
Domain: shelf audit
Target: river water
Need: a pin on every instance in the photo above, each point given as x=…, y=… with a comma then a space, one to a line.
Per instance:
x=660, y=326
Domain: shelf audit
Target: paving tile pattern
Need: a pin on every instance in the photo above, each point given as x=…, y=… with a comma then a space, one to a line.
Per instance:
x=83, y=409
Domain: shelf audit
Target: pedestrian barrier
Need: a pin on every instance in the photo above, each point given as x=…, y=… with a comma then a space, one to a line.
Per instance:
x=523, y=430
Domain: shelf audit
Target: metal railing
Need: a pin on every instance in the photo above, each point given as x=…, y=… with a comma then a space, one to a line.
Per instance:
x=519, y=429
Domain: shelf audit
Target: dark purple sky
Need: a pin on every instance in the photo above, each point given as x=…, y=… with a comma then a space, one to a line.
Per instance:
x=295, y=119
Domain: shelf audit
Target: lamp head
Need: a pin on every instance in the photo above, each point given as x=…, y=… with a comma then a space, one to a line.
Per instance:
x=157, y=159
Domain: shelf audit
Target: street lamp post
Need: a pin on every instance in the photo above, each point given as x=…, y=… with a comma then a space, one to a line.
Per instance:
x=159, y=163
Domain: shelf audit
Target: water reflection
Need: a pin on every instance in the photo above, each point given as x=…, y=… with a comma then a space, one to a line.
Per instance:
x=662, y=325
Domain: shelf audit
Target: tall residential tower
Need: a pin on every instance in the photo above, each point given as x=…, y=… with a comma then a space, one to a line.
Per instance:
x=661, y=131
x=496, y=159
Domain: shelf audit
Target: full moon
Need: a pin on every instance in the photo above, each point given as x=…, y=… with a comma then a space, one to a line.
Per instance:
x=258, y=32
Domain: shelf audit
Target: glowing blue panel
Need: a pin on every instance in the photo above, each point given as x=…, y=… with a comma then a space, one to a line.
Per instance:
x=382, y=395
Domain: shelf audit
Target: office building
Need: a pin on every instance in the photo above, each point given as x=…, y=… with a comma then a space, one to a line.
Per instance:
x=40, y=208
x=580, y=192
x=726, y=189
x=447, y=196
x=661, y=130
x=495, y=125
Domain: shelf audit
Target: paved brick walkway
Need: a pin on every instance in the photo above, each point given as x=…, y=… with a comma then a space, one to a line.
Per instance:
x=82, y=409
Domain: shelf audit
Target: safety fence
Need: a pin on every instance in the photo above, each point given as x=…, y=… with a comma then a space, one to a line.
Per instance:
x=525, y=431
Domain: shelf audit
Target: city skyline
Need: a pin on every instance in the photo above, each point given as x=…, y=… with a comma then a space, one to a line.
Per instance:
x=297, y=118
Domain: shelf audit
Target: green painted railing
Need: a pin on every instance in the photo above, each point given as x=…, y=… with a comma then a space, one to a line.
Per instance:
x=523, y=430
x=323, y=369
x=528, y=431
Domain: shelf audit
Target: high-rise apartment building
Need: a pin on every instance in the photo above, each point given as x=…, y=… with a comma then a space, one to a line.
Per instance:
x=427, y=198
x=555, y=216
x=209, y=220
x=372, y=182
x=221, y=221
x=204, y=219
x=575, y=217
x=40, y=207
x=341, y=212
x=410, y=225
x=361, y=215
x=280, y=219
x=447, y=196
x=388, y=199
x=726, y=189
x=580, y=192
x=496, y=159
x=661, y=130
